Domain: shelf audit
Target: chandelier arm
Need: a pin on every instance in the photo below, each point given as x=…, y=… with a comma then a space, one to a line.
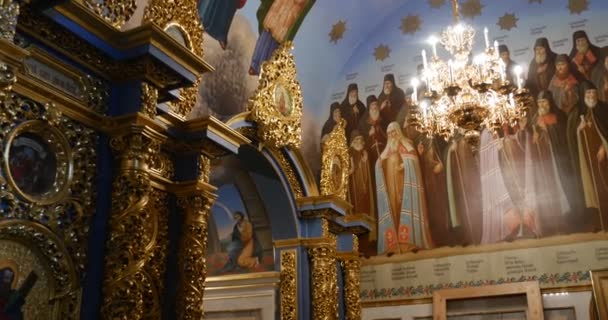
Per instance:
x=455, y=11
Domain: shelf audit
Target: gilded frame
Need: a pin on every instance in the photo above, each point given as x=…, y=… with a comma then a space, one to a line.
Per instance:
x=531, y=289
x=64, y=291
x=59, y=145
x=335, y=148
x=273, y=127
x=599, y=283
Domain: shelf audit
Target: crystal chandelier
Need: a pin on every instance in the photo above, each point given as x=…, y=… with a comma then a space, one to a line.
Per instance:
x=465, y=94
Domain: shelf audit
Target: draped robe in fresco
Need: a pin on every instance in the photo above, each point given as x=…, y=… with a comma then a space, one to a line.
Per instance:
x=216, y=16
x=546, y=152
x=402, y=211
x=496, y=200
x=464, y=193
x=594, y=173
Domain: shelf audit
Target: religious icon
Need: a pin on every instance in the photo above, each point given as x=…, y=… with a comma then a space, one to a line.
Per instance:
x=12, y=299
x=336, y=173
x=32, y=164
x=282, y=100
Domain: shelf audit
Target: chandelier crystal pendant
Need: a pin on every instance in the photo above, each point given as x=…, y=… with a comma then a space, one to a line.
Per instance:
x=466, y=94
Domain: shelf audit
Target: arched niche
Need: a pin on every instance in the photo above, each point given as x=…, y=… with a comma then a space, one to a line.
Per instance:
x=255, y=184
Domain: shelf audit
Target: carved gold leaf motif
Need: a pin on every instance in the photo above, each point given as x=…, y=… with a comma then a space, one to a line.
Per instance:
x=335, y=162
x=279, y=123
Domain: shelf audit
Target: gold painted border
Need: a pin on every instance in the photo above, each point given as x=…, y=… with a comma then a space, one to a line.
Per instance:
x=599, y=292
x=59, y=146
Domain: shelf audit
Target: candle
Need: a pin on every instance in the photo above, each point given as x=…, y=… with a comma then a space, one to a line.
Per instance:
x=433, y=42
x=415, y=94
x=424, y=62
x=428, y=85
x=450, y=66
x=496, y=48
x=485, y=35
x=517, y=71
x=502, y=70
x=511, y=100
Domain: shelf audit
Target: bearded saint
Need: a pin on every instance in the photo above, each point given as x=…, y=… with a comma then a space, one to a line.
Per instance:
x=464, y=193
x=335, y=116
x=373, y=127
x=391, y=98
x=584, y=54
x=352, y=108
x=402, y=211
x=592, y=136
x=510, y=65
x=599, y=77
x=542, y=67
x=565, y=89
x=361, y=184
x=547, y=168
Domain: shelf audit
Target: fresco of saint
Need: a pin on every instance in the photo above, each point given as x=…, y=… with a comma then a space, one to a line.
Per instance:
x=352, y=109
x=12, y=300
x=584, y=54
x=599, y=76
x=542, y=67
x=244, y=251
x=402, y=211
x=391, y=99
x=372, y=127
x=335, y=116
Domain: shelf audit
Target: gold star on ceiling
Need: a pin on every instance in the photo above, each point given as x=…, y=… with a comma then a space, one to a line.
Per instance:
x=436, y=3
x=410, y=24
x=472, y=8
x=337, y=31
x=382, y=52
x=578, y=6
x=508, y=21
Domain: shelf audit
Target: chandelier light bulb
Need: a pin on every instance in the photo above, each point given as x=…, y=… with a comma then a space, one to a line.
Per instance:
x=496, y=48
x=415, y=84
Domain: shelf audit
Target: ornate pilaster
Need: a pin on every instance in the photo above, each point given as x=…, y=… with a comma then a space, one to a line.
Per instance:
x=289, y=285
x=196, y=204
x=128, y=289
x=324, y=277
x=351, y=270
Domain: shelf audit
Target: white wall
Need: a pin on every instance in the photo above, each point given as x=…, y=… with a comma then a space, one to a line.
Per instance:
x=578, y=300
x=250, y=297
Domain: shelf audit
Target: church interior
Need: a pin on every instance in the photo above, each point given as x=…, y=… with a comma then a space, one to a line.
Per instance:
x=304, y=159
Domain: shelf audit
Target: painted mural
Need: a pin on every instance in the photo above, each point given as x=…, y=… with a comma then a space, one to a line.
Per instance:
x=542, y=177
x=239, y=233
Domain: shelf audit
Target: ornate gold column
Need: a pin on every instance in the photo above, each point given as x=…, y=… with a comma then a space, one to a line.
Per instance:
x=351, y=270
x=289, y=284
x=128, y=292
x=324, y=276
x=195, y=199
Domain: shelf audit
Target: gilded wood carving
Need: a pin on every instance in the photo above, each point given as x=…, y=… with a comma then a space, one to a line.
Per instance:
x=46, y=187
x=289, y=285
x=276, y=106
x=335, y=162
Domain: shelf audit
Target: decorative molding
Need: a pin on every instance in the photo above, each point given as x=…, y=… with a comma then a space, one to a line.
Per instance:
x=193, y=248
x=335, y=162
x=115, y=12
x=184, y=15
x=289, y=285
x=351, y=271
x=288, y=170
x=157, y=264
x=149, y=98
x=276, y=105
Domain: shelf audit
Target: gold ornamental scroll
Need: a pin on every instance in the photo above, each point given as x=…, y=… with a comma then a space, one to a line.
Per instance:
x=351, y=271
x=128, y=289
x=289, y=284
x=195, y=199
x=335, y=162
x=324, y=276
